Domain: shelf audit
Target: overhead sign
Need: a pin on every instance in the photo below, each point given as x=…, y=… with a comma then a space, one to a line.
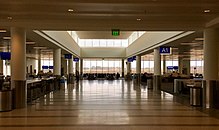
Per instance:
x=76, y=59
x=165, y=50
x=115, y=32
x=5, y=55
x=45, y=67
x=51, y=67
x=68, y=56
x=172, y=67
x=131, y=59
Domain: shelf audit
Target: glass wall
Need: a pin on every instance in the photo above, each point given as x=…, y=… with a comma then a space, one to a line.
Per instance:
x=134, y=36
x=47, y=62
x=73, y=35
x=102, y=66
x=196, y=66
x=103, y=42
x=147, y=63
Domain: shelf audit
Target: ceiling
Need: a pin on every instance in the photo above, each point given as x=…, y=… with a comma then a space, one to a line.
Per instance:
x=94, y=19
x=102, y=35
x=104, y=15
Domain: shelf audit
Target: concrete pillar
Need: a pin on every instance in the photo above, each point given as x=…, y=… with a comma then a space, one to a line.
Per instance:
x=70, y=66
x=157, y=62
x=39, y=61
x=76, y=66
x=128, y=67
x=57, y=62
x=180, y=63
x=157, y=70
x=186, y=66
x=64, y=66
x=81, y=66
x=164, y=64
x=211, y=41
x=123, y=68
x=138, y=69
x=18, y=66
x=1, y=67
x=128, y=76
x=70, y=71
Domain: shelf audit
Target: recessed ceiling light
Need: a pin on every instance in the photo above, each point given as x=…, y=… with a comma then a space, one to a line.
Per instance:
x=7, y=38
x=199, y=39
x=30, y=43
x=138, y=19
x=2, y=31
x=70, y=10
x=10, y=18
x=207, y=11
x=40, y=47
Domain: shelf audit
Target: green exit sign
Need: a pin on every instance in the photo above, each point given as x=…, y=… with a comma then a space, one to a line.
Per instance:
x=115, y=32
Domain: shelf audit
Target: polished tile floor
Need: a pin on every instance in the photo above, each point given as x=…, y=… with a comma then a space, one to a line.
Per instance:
x=107, y=105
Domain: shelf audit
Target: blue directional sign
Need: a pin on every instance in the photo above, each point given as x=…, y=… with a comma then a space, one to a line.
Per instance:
x=76, y=59
x=165, y=50
x=68, y=56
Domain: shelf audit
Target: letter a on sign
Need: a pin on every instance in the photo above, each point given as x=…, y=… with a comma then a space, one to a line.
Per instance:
x=165, y=50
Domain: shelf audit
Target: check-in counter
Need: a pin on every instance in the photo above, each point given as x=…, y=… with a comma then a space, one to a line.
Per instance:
x=39, y=87
x=181, y=85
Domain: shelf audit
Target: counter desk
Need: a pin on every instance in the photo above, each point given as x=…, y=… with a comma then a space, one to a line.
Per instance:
x=39, y=87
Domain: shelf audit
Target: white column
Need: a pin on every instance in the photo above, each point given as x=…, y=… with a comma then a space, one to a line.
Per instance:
x=1, y=67
x=39, y=61
x=18, y=54
x=138, y=64
x=123, y=68
x=157, y=62
x=128, y=68
x=211, y=42
x=57, y=61
x=186, y=66
x=157, y=70
x=180, y=63
x=81, y=66
x=70, y=66
x=76, y=66
x=18, y=66
x=64, y=66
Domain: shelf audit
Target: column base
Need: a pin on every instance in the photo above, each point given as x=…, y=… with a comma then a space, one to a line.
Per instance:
x=210, y=94
x=20, y=94
x=138, y=79
x=156, y=83
x=71, y=78
x=123, y=74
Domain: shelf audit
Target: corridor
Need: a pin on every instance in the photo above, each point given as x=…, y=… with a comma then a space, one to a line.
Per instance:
x=107, y=105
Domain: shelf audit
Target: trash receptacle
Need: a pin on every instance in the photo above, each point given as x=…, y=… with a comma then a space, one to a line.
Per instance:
x=62, y=82
x=6, y=100
x=195, y=95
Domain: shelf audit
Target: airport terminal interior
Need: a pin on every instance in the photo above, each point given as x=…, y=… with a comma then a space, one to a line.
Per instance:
x=113, y=65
